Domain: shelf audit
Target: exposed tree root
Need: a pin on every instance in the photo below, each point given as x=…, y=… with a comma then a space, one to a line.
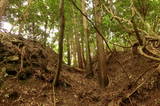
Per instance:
x=141, y=51
x=127, y=93
x=149, y=50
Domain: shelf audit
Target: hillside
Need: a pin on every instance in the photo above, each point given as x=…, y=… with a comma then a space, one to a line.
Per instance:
x=28, y=68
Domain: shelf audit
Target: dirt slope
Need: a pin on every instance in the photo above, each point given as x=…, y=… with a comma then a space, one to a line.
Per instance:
x=27, y=70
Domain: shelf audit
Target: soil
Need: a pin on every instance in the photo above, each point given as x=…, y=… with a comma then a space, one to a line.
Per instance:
x=28, y=68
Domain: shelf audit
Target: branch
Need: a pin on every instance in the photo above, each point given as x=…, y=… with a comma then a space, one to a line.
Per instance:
x=137, y=32
x=120, y=45
x=123, y=20
x=94, y=26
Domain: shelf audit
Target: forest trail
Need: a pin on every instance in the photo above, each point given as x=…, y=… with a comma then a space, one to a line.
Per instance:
x=31, y=85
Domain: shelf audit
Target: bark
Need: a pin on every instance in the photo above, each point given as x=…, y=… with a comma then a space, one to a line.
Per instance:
x=83, y=51
x=102, y=75
x=77, y=42
x=78, y=49
x=86, y=35
x=61, y=37
x=94, y=26
x=68, y=52
x=73, y=52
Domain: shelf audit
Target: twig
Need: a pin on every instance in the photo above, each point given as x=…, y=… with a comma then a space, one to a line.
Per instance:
x=54, y=97
x=130, y=101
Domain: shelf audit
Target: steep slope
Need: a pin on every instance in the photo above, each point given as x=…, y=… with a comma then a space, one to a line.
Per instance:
x=27, y=70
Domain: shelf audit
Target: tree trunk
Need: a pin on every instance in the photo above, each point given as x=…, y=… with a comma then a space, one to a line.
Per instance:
x=78, y=49
x=102, y=75
x=77, y=42
x=21, y=26
x=68, y=51
x=61, y=37
x=83, y=51
x=86, y=35
x=45, y=36
x=73, y=52
x=3, y=5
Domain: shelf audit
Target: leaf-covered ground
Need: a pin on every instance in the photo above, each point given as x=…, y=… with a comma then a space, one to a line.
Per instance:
x=27, y=69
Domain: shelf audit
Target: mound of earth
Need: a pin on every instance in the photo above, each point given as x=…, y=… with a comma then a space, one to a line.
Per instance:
x=27, y=69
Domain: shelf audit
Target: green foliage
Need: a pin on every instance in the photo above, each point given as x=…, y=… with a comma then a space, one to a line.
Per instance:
x=41, y=18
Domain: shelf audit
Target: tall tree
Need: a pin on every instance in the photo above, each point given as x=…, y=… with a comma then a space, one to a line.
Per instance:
x=61, y=37
x=103, y=78
x=86, y=35
x=77, y=41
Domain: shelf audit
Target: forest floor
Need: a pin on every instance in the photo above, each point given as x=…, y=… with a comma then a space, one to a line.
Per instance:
x=27, y=71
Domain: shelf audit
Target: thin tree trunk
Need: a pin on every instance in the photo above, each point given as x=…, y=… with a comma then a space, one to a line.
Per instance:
x=77, y=42
x=73, y=52
x=21, y=26
x=86, y=35
x=82, y=50
x=103, y=78
x=79, y=52
x=61, y=33
x=45, y=36
x=33, y=29
x=68, y=51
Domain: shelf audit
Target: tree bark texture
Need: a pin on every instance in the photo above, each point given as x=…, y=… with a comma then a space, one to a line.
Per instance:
x=86, y=35
x=61, y=37
x=102, y=75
